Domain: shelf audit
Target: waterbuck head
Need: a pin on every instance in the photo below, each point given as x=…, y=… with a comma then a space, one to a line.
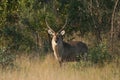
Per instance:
x=57, y=37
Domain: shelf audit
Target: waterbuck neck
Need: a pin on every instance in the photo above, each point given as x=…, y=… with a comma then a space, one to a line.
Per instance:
x=57, y=48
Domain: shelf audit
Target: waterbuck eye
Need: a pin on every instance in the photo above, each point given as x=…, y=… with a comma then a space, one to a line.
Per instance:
x=58, y=37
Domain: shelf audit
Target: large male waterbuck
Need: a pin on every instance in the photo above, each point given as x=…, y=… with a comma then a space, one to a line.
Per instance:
x=66, y=51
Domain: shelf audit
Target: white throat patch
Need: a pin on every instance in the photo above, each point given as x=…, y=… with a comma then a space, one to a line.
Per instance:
x=54, y=43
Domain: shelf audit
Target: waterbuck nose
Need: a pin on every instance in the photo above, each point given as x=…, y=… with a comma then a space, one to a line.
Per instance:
x=56, y=41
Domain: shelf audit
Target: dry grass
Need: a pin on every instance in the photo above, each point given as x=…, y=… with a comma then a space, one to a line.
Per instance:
x=49, y=70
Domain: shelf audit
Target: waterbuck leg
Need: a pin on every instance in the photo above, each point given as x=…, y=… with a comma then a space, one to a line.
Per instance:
x=85, y=56
x=60, y=63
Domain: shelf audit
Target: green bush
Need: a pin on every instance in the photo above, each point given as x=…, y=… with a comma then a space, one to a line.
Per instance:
x=6, y=57
x=99, y=54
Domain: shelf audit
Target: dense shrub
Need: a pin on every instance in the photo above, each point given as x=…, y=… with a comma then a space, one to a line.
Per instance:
x=99, y=54
x=6, y=57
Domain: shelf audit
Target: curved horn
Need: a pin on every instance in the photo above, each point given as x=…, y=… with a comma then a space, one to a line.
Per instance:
x=63, y=25
x=48, y=25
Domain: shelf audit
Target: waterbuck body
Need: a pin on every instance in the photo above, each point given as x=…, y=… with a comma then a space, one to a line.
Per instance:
x=73, y=50
x=66, y=51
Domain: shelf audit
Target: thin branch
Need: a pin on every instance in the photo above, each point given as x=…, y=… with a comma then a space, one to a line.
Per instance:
x=113, y=14
x=112, y=23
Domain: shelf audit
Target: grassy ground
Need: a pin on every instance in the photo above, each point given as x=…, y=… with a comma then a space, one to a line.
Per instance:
x=49, y=69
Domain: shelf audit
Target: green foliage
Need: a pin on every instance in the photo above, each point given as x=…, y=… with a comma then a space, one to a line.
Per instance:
x=6, y=57
x=23, y=21
x=99, y=54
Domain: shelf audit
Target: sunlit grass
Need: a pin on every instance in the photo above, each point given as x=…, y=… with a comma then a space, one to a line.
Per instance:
x=49, y=69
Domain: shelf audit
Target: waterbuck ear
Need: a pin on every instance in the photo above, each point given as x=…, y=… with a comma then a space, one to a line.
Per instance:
x=50, y=32
x=62, y=32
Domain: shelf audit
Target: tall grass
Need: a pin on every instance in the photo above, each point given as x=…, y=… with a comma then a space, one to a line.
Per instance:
x=48, y=69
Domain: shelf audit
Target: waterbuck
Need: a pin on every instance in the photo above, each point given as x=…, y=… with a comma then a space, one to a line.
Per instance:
x=66, y=51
